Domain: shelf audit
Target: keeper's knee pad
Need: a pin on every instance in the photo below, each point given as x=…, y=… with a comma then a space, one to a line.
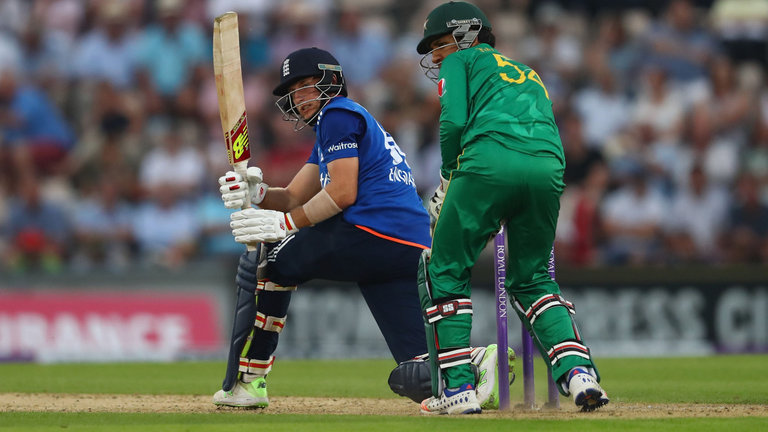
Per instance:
x=549, y=320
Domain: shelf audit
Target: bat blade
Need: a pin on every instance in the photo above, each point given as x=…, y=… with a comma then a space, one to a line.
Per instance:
x=229, y=86
x=229, y=89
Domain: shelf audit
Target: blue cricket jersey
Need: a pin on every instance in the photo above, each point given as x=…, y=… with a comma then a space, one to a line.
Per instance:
x=387, y=204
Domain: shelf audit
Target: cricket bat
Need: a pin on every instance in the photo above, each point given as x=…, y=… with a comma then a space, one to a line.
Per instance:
x=229, y=88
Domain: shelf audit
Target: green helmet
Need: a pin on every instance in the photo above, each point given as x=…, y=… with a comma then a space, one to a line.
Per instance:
x=463, y=20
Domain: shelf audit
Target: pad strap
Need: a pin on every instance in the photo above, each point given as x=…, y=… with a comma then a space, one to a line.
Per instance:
x=548, y=301
x=268, y=285
x=450, y=357
x=269, y=323
x=256, y=367
x=448, y=308
x=570, y=347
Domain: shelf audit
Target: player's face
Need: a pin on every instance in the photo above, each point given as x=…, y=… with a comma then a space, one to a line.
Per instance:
x=305, y=97
x=442, y=47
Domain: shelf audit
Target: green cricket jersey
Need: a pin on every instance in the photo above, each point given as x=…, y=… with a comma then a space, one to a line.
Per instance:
x=485, y=94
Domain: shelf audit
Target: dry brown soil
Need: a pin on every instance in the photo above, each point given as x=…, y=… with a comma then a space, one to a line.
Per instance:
x=14, y=402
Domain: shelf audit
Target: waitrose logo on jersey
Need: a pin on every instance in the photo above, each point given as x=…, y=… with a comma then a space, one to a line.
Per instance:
x=106, y=326
x=342, y=146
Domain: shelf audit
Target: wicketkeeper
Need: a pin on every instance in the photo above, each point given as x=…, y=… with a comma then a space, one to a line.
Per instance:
x=502, y=162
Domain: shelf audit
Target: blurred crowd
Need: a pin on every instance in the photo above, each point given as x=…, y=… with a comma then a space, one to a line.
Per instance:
x=111, y=143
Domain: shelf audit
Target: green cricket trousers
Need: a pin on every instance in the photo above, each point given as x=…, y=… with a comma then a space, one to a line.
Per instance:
x=492, y=185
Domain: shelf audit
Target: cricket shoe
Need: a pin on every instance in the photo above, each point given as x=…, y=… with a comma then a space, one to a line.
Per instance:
x=585, y=390
x=462, y=400
x=486, y=359
x=248, y=395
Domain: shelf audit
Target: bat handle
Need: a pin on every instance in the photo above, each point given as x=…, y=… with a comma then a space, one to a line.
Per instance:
x=242, y=169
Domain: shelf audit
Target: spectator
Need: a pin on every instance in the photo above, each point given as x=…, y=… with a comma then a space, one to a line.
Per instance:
x=171, y=61
x=658, y=111
x=696, y=220
x=679, y=45
x=603, y=108
x=216, y=239
x=580, y=235
x=109, y=51
x=755, y=159
x=657, y=122
x=11, y=56
x=288, y=153
x=173, y=161
x=729, y=105
x=552, y=49
x=64, y=18
x=39, y=231
x=746, y=236
x=254, y=43
x=616, y=47
x=166, y=229
x=13, y=16
x=718, y=156
x=555, y=54
x=632, y=218
x=46, y=58
x=361, y=46
x=102, y=227
x=297, y=25
x=35, y=133
x=111, y=148
x=579, y=156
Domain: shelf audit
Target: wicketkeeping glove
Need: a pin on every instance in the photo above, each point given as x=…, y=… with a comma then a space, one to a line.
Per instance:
x=436, y=203
x=252, y=226
x=235, y=191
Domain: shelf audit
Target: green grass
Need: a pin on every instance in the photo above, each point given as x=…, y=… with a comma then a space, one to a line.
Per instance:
x=719, y=379
x=710, y=380
x=83, y=422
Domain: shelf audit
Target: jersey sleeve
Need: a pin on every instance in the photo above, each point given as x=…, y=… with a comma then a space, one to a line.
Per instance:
x=313, y=158
x=340, y=134
x=453, y=90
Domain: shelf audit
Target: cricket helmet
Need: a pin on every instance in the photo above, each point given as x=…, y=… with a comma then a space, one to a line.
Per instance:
x=463, y=20
x=303, y=63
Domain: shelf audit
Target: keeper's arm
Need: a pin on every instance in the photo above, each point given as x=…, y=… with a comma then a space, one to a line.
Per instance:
x=454, y=112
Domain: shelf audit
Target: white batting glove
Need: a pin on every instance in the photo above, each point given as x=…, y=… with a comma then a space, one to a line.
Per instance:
x=436, y=203
x=252, y=226
x=235, y=191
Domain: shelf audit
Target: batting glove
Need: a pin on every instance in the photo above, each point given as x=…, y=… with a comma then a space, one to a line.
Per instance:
x=252, y=226
x=235, y=191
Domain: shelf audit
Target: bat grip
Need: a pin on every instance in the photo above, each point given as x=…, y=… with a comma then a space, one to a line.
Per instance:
x=242, y=169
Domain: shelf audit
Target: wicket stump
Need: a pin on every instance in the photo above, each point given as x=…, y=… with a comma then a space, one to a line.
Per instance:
x=502, y=337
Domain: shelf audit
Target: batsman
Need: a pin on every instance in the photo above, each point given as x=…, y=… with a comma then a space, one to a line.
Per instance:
x=502, y=162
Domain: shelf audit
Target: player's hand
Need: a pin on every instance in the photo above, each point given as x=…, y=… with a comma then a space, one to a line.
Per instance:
x=436, y=203
x=252, y=226
x=235, y=191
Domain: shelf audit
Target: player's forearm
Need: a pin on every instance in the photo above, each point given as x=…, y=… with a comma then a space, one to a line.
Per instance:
x=281, y=199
